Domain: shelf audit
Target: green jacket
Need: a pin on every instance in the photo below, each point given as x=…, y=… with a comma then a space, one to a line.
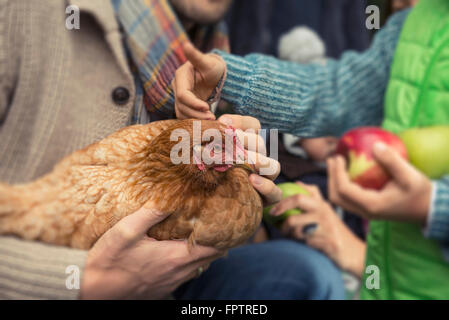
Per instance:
x=411, y=266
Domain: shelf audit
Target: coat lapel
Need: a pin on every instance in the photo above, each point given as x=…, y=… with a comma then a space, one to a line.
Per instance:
x=104, y=14
x=102, y=10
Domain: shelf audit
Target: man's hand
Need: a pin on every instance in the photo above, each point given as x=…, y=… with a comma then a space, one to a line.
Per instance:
x=405, y=198
x=195, y=82
x=321, y=228
x=127, y=264
x=247, y=131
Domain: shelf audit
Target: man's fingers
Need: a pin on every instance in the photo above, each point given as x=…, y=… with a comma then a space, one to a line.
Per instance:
x=270, y=192
x=136, y=225
x=196, y=57
x=298, y=201
x=240, y=122
x=202, y=252
x=396, y=166
x=204, y=263
x=192, y=270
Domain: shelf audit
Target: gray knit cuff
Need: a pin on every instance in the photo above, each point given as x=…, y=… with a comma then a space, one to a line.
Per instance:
x=438, y=221
x=32, y=270
x=235, y=86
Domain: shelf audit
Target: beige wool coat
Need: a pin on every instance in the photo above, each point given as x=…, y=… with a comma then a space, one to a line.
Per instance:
x=56, y=96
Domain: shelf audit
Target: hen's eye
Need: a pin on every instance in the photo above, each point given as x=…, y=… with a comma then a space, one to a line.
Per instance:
x=217, y=148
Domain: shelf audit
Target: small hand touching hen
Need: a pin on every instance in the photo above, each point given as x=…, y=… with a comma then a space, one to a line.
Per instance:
x=195, y=82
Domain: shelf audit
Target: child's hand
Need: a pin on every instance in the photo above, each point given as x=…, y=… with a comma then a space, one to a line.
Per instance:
x=321, y=228
x=405, y=198
x=194, y=83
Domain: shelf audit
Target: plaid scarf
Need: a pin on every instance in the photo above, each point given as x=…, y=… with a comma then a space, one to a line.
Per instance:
x=154, y=39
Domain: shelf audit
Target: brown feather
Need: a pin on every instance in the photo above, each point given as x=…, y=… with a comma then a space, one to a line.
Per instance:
x=89, y=191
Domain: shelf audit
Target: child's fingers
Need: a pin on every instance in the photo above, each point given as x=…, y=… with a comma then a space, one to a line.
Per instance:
x=265, y=166
x=188, y=113
x=252, y=141
x=187, y=99
x=397, y=166
x=179, y=114
x=366, y=200
x=196, y=57
x=240, y=122
x=333, y=191
x=183, y=85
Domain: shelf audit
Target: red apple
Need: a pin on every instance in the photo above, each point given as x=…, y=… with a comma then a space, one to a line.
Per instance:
x=356, y=146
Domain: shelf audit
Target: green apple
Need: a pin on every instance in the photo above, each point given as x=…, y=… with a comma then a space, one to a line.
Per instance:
x=288, y=189
x=428, y=149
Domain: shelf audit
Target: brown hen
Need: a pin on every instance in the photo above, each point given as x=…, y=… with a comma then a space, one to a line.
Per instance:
x=92, y=189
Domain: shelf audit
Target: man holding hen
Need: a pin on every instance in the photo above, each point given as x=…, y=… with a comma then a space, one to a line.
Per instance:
x=61, y=90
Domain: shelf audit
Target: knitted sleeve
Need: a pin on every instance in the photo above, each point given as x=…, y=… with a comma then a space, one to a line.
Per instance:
x=314, y=100
x=32, y=270
x=438, y=222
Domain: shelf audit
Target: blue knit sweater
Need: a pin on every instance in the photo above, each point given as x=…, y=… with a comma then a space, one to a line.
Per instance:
x=315, y=100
